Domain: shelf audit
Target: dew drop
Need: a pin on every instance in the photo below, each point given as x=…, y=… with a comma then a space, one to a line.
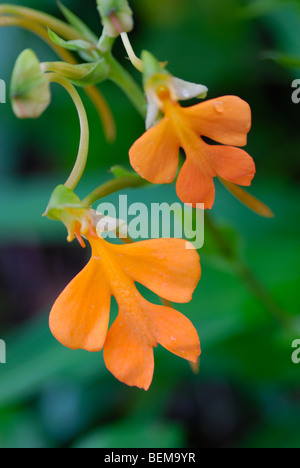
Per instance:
x=219, y=106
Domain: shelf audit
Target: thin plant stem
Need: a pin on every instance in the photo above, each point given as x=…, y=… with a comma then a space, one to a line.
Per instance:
x=245, y=273
x=106, y=116
x=60, y=27
x=136, y=62
x=112, y=186
x=81, y=160
x=93, y=92
x=40, y=32
x=124, y=80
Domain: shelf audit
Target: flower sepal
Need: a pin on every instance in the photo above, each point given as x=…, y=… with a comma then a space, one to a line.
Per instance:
x=30, y=89
x=66, y=207
x=158, y=81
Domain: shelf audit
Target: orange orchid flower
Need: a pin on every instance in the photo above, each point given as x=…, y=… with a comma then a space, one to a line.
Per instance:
x=226, y=120
x=80, y=317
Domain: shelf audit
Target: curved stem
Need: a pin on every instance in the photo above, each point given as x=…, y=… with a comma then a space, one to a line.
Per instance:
x=113, y=186
x=81, y=160
x=124, y=80
x=93, y=93
x=104, y=112
x=136, y=62
x=40, y=32
x=60, y=27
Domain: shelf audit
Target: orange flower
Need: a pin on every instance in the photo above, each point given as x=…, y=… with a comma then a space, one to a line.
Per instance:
x=226, y=120
x=80, y=317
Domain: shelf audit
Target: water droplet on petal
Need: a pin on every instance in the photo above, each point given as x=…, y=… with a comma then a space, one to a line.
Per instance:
x=219, y=106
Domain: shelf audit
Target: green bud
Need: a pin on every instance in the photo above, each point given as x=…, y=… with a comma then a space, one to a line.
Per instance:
x=152, y=67
x=30, y=89
x=116, y=16
x=66, y=207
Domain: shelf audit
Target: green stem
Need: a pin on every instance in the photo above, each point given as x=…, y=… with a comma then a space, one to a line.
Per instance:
x=81, y=160
x=112, y=186
x=124, y=80
x=60, y=27
x=245, y=273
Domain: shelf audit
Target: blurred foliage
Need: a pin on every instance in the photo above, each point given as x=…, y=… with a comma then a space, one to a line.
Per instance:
x=247, y=392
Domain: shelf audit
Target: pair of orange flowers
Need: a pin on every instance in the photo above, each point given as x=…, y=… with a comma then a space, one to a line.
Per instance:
x=80, y=316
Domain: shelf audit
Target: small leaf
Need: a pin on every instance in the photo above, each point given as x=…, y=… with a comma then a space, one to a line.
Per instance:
x=248, y=200
x=79, y=25
x=76, y=45
x=120, y=172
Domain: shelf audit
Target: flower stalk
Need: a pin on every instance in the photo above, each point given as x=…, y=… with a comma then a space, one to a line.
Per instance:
x=112, y=186
x=81, y=160
x=43, y=19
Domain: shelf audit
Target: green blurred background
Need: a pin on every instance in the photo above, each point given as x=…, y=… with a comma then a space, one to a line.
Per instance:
x=247, y=392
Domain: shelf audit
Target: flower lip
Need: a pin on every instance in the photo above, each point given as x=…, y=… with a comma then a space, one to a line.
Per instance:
x=80, y=317
x=163, y=92
x=161, y=87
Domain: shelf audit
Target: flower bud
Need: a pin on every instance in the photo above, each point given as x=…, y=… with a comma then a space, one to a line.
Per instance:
x=30, y=89
x=116, y=16
x=66, y=207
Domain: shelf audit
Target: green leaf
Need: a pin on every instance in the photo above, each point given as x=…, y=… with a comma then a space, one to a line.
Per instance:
x=120, y=172
x=134, y=434
x=286, y=60
x=76, y=45
x=79, y=25
x=34, y=357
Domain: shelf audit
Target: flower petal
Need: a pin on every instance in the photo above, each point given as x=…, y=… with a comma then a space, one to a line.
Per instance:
x=79, y=318
x=185, y=90
x=232, y=164
x=165, y=266
x=152, y=112
x=128, y=355
x=226, y=120
x=194, y=185
x=155, y=155
x=175, y=332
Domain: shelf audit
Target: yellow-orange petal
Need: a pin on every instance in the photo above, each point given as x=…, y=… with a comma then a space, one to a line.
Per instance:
x=232, y=164
x=226, y=120
x=155, y=155
x=165, y=266
x=194, y=186
x=128, y=354
x=79, y=318
x=174, y=332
